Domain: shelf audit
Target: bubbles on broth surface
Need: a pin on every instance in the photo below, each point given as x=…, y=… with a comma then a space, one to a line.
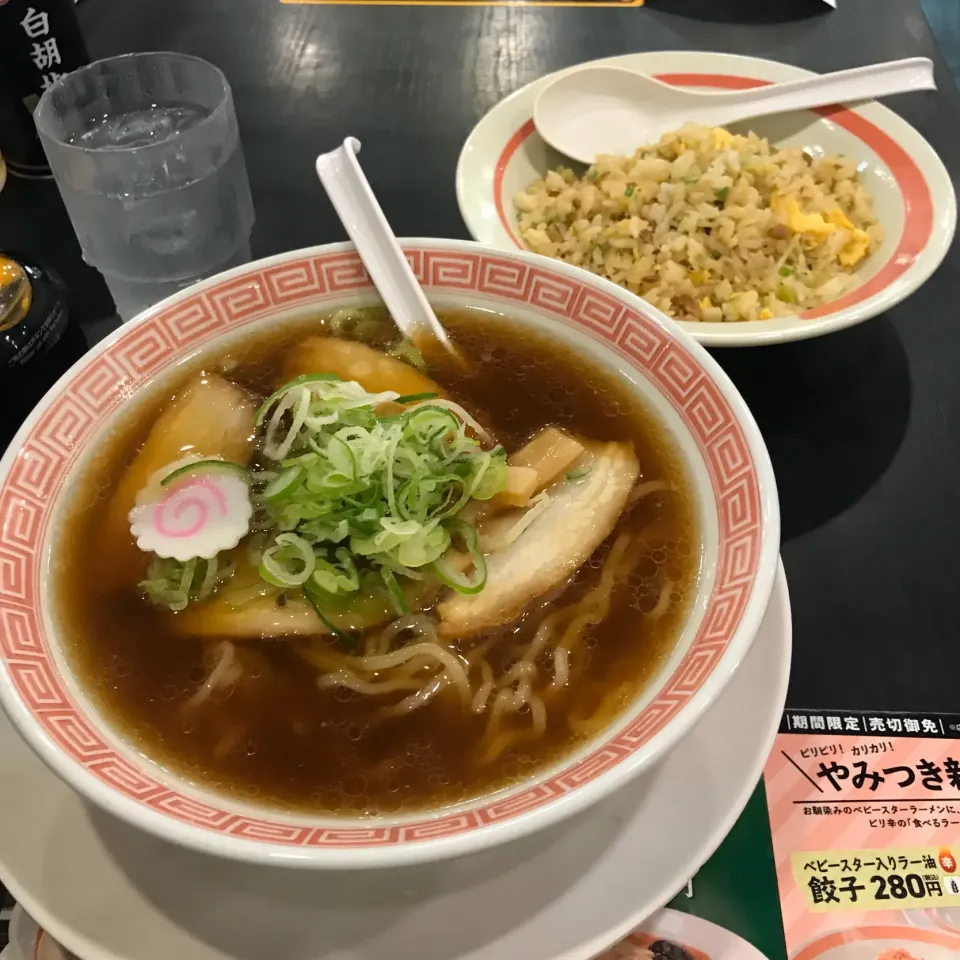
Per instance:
x=120, y=667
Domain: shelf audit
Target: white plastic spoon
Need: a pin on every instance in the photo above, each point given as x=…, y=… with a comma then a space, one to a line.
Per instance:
x=353, y=199
x=604, y=109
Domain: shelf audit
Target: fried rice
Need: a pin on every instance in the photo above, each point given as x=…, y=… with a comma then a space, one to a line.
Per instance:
x=708, y=225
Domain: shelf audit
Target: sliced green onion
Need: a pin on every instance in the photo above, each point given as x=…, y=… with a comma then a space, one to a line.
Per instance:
x=360, y=495
x=209, y=582
x=397, y=598
x=336, y=579
x=172, y=584
x=341, y=457
x=450, y=575
x=785, y=294
x=409, y=572
x=332, y=602
x=414, y=397
x=461, y=415
x=283, y=486
x=168, y=582
x=348, y=568
x=276, y=563
x=629, y=192
x=406, y=351
x=186, y=581
x=359, y=323
x=722, y=193
x=574, y=475
x=423, y=548
x=204, y=466
x=785, y=272
x=491, y=475
x=301, y=409
x=429, y=422
x=314, y=599
x=302, y=381
x=267, y=574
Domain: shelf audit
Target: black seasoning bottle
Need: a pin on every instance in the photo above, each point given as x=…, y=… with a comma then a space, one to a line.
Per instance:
x=38, y=343
x=40, y=41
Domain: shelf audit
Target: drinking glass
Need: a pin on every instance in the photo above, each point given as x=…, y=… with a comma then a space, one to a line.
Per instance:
x=146, y=152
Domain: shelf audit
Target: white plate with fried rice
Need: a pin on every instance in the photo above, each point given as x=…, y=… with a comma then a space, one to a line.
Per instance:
x=783, y=228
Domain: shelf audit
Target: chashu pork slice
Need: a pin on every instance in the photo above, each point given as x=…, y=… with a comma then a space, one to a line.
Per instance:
x=262, y=618
x=374, y=370
x=579, y=516
x=209, y=417
x=238, y=611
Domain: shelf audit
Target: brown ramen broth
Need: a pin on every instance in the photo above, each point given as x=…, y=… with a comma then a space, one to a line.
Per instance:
x=274, y=734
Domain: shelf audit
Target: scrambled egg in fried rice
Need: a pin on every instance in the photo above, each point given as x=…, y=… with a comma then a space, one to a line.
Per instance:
x=708, y=225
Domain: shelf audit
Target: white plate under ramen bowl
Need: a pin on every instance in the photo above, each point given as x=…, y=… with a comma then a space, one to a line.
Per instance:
x=913, y=195
x=685, y=389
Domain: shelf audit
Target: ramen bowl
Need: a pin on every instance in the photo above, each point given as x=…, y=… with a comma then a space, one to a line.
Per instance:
x=684, y=390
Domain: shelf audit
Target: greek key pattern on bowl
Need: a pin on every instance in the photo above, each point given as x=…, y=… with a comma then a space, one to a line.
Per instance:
x=28, y=493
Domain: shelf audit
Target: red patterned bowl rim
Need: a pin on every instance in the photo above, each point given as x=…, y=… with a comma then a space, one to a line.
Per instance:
x=34, y=469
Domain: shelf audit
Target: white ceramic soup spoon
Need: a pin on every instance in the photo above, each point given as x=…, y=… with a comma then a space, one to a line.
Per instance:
x=353, y=199
x=604, y=109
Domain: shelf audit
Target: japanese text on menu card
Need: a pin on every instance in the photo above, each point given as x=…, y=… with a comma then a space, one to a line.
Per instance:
x=865, y=815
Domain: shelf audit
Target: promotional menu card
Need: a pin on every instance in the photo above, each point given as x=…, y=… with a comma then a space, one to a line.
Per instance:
x=865, y=816
x=847, y=851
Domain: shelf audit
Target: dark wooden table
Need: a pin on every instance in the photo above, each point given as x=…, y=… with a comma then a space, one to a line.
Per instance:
x=863, y=426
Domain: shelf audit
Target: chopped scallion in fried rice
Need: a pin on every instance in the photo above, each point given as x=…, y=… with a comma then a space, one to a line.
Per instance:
x=709, y=225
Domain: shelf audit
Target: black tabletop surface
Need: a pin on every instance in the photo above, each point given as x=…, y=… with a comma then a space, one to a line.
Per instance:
x=863, y=426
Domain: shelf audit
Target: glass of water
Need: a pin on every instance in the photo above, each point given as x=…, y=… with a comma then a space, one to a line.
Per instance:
x=146, y=153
